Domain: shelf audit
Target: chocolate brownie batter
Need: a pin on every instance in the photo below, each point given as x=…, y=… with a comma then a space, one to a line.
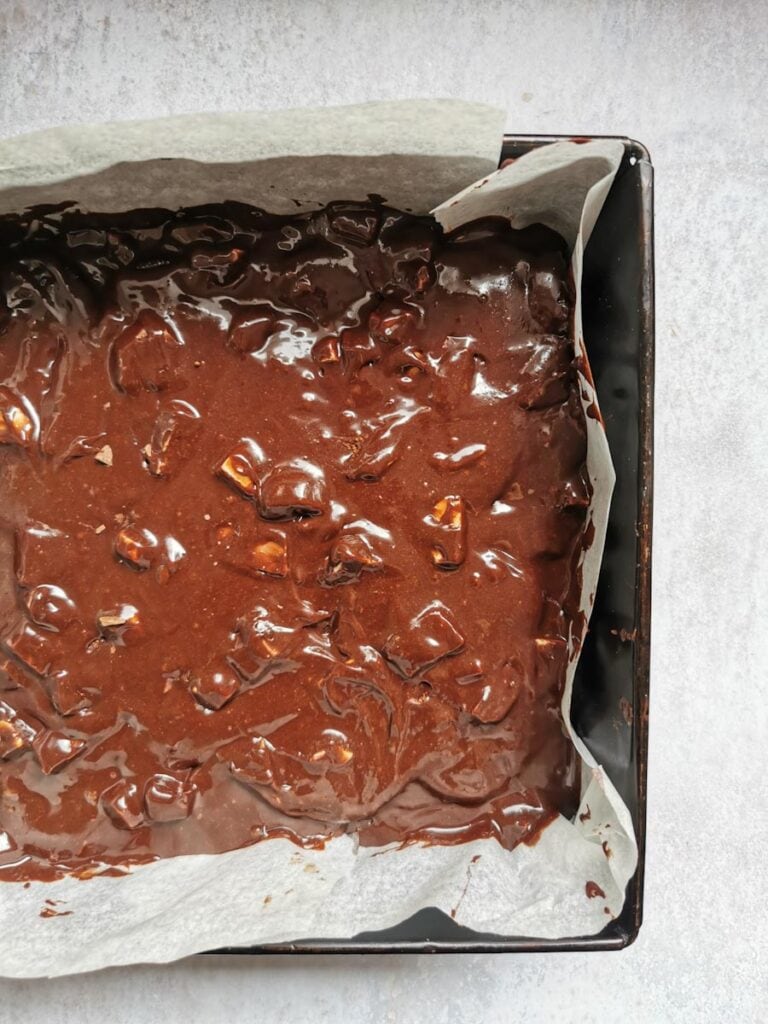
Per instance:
x=290, y=517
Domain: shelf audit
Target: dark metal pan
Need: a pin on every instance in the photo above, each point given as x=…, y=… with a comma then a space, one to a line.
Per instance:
x=610, y=702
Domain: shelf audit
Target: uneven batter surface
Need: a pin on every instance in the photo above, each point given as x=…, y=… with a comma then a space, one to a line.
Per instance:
x=290, y=515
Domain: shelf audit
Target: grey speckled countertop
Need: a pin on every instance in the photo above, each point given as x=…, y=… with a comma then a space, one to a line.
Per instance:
x=690, y=80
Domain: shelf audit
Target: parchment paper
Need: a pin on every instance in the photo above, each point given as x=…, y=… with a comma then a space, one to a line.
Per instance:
x=419, y=156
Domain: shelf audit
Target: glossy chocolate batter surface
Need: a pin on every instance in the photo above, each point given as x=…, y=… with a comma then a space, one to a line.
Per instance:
x=290, y=515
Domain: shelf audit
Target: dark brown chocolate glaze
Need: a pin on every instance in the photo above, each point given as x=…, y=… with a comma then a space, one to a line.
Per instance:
x=291, y=510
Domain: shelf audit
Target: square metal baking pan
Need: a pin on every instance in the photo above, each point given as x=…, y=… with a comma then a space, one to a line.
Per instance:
x=610, y=700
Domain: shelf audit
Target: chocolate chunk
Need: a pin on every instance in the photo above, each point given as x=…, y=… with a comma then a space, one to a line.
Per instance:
x=168, y=798
x=269, y=555
x=351, y=555
x=266, y=638
x=12, y=675
x=447, y=523
x=30, y=646
x=17, y=425
x=411, y=247
x=67, y=695
x=327, y=351
x=262, y=551
x=408, y=362
x=500, y=690
x=145, y=356
x=137, y=547
x=54, y=749
x=358, y=350
x=176, y=430
x=120, y=626
x=358, y=225
x=123, y=803
x=12, y=741
x=214, y=686
x=49, y=606
x=293, y=490
x=392, y=323
x=16, y=735
x=251, y=328
x=241, y=467
x=430, y=636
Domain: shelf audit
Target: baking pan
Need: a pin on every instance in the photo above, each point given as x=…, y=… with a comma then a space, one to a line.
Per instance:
x=610, y=698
